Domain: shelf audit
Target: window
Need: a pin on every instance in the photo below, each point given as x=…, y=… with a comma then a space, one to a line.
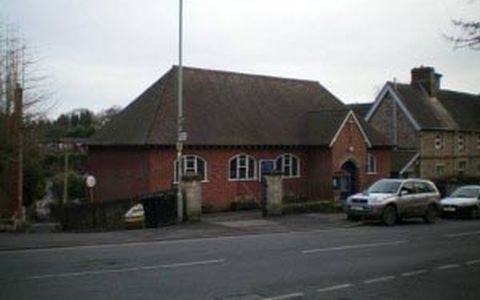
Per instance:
x=243, y=167
x=371, y=163
x=191, y=164
x=440, y=170
x=461, y=167
x=288, y=164
x=461, y=142
x=438, y=142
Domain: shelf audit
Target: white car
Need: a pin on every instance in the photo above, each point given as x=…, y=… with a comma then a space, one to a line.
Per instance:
x=392, y=199
x=463, y=201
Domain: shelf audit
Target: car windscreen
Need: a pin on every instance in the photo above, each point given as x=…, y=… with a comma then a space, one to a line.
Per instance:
x=384, y=187
x=466, y=193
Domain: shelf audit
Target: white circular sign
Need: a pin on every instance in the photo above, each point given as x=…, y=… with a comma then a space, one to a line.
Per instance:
x=91, y=181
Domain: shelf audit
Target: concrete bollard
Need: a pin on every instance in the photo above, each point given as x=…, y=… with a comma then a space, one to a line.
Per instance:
x=192, y=189
x=274, y=194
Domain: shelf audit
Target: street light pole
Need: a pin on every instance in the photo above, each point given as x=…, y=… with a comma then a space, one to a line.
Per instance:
x=180, y=135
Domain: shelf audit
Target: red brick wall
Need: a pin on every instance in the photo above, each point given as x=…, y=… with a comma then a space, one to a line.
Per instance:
x=350, y=145
x=119, y=174
x=128, y=173
x=218, y=190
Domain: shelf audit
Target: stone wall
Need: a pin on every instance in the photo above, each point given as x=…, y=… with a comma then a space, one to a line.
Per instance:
x=383, y=121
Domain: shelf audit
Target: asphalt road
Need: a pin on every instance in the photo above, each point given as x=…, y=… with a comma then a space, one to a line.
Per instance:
x=409, y=261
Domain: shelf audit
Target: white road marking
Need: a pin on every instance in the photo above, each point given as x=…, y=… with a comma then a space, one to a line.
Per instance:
x=132, y=269
x=359, y=246
x=288, y=296
x=473, y=262
x=413, y=273
x=379, y=279
x=335, y=287
x=448, y=267
x=453, y=235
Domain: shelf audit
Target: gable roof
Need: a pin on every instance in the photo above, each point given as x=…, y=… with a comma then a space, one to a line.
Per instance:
x=220, y=108
x=324, y=126
x=449, y=110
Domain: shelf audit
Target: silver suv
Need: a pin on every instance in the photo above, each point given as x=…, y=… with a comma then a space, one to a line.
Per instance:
x=392, y=199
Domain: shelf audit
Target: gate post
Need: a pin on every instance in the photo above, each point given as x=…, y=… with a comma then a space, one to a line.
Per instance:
x=274, y=194
x=192, y=188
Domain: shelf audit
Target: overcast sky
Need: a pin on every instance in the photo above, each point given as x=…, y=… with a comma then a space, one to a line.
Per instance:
x=100, y=53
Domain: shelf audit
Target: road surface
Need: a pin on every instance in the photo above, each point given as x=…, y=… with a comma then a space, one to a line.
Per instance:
x=409, y=261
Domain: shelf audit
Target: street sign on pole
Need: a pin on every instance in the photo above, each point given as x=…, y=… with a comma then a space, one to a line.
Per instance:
x=181, y=135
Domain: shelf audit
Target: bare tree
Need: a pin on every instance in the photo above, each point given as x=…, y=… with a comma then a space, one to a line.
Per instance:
x=23, y=97
x=468, y=35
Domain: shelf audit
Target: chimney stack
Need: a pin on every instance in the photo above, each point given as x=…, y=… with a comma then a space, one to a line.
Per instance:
x=426, y=78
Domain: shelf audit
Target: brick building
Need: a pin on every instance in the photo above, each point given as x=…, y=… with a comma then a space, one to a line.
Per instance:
x=435, y=132
x=239, y=127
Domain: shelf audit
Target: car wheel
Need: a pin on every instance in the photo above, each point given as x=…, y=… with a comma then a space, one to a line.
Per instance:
x=431, y=214
x=473, y=213
x=389, y=216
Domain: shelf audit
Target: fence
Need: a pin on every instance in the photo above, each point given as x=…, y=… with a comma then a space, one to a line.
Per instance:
x=305, y=190
x=159, y=209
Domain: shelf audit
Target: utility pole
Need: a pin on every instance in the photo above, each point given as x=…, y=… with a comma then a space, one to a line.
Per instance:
x=181, y=135
x=18, y=169
x=65, y=172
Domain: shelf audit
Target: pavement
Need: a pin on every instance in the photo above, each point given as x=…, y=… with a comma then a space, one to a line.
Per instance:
x=212, y=225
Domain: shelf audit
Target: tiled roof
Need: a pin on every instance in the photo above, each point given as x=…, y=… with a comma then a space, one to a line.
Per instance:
x=450, y=110
x=400, y=158
x=223, y=108
x=361, y=109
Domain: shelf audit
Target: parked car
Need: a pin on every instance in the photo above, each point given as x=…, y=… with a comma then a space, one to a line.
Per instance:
x=135, y=217
x=464, y=201
x=392, y=199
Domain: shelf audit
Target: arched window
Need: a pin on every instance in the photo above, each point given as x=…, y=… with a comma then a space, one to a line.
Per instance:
x=243, y=167
x=371, y=163
x=288, y=164
x=191, y=164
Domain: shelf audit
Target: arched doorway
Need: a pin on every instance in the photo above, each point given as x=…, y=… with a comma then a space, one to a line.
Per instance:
x=348, y=181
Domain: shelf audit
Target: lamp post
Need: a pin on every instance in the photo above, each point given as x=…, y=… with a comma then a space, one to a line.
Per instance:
x=181, y=135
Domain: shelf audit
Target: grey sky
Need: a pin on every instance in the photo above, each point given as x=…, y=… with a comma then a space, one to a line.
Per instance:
x=100, y=53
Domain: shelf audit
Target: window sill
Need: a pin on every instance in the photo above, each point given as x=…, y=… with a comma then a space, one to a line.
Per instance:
x=372, y=173
x=203, y=181
x=245, y=179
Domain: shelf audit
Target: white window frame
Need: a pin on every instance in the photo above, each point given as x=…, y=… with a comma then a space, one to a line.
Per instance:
x=371, y=164
x=288, y=157
x=186, y=168
x=246, y=167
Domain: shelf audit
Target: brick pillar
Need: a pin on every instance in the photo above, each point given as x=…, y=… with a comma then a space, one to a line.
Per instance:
x=192, y=189
x=274, y=194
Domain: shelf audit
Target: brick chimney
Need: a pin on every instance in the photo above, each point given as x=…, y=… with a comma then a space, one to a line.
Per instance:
x=426, y=78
